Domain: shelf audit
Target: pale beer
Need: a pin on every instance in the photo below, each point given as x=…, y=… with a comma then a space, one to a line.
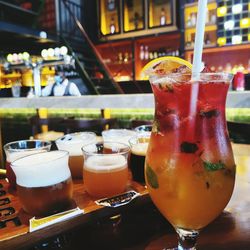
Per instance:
x=105, y=172
x=105, y=175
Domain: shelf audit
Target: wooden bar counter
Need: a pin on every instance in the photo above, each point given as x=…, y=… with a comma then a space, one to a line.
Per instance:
x=135, y=226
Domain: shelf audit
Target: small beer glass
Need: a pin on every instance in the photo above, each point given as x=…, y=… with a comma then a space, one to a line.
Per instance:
x=105, y=173
x=118, y=135
x=44, y=184
x=17, y=149
x=73, y=143
x=139, y=146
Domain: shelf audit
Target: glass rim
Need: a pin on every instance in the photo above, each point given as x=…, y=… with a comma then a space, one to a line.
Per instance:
x=65, y=153
x=106, y=132
x=125, y=149
x=137, y=129
x=59, y=141
x=142, y=134
x=223, y=76
x=8, y=148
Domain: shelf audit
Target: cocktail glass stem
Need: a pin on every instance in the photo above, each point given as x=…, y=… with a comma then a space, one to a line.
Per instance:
x=187, y=239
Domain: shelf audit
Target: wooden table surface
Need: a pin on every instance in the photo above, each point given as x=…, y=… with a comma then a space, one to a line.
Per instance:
x=140, y=226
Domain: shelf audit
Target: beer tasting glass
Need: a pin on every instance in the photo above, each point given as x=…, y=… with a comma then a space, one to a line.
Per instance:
x=105, y=173
x=190, y=169
x=17, y=149
x=138, y=147
x=73, y=143
x=44, y=184
x=118, y=135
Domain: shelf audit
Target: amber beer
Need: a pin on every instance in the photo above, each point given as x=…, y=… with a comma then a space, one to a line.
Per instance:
x=44, y=183
x=105, y=176
x=105, y=173
x=73, y=143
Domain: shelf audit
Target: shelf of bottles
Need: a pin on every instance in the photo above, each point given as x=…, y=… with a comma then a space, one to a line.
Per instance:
x=147, y=53
x=119, y=19
x=160, y=13
x=233, y=22
x=133, y=15
x=118, y=56
x=191, y=9
x=109, y=17
x=147, y=49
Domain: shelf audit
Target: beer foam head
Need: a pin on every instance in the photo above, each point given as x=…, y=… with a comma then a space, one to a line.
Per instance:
x=139, y=149
x=118, y=135
x=116, y=146
x=42, y=169
x=75, y=141
x=105, y=163
x=19, y=154
x=106, y=148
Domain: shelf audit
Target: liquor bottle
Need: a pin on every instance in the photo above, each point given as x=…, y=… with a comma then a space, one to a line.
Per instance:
x=193, y=19
x=207, y=16
x=136, y=20
x=163, y=17
x=142, y=54
x=189, y=23
x=239, y=81
x=248, y=67
x=112, y=25
x=207, y=39
x=213, y=18
x=126, y=57
x=120, y=57
x=146, y=53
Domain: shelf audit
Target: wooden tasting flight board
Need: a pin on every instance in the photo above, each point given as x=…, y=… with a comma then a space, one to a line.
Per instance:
x=14, y=222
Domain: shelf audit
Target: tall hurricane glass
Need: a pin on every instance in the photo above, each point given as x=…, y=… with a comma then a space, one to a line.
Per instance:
x=190, y=169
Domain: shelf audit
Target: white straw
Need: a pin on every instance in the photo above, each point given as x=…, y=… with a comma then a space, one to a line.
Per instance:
x=199, y=38
x=197, y=64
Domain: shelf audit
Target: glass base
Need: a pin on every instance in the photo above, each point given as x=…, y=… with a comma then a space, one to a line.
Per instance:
x=180, y=248
x=186, y=239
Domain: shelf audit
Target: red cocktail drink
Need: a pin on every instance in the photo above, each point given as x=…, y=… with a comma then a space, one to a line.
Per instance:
x=190, y=169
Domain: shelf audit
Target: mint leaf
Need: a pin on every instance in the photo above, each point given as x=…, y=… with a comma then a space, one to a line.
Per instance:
x=209, y=166
x=151, y=177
